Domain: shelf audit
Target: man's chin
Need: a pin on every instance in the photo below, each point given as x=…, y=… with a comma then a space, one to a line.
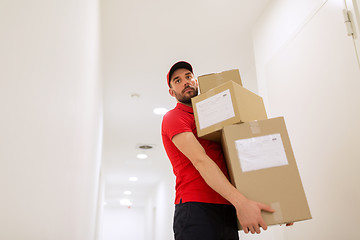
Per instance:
x=192, y=93
x=185, y=100
x=186, y=97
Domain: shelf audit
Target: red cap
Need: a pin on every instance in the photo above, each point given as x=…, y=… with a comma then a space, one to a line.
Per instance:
x=176, y=66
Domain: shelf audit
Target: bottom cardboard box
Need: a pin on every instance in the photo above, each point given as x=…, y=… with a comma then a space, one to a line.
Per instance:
x=262, y=167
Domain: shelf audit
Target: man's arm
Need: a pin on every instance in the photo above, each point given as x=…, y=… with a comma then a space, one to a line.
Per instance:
x=248, y=212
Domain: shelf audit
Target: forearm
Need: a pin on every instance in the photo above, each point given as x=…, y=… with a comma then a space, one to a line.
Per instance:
x=209, y=171
x=216, y=179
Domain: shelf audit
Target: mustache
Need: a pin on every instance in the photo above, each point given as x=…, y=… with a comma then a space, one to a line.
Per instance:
x=187, y=88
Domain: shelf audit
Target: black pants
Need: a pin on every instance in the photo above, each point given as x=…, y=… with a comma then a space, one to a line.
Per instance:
x=205, y=221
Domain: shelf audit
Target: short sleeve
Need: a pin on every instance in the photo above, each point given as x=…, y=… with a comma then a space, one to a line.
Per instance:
x=174, y=123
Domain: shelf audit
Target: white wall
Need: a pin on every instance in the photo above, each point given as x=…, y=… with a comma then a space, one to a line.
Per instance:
x=278, y=24
x=150, y=222
x=50, y=124
x=307, y=71
x=100, y=206
x=164, y=209
x=122, y=223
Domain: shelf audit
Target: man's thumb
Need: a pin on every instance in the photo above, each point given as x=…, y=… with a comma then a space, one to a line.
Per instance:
x=266, y=208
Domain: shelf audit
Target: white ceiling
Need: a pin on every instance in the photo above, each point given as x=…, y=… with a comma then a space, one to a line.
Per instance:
x=140, y=40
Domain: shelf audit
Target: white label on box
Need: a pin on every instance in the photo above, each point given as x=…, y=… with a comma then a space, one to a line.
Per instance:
x=215, y=109
x=261, y=152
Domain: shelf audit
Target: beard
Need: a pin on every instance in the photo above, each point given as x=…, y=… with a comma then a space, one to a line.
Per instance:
x=186, y=99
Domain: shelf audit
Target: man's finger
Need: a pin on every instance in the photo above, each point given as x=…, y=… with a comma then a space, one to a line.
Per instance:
x=257, y=229
x=263, y=225
x=266, y=208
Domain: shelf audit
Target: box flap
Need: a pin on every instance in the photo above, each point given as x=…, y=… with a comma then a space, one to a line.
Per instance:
x=209, y=81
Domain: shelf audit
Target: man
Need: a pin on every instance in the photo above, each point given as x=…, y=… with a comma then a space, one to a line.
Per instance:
x=206, y=202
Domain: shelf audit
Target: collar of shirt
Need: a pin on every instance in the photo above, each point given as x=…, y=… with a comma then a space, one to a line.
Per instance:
x=184, y=108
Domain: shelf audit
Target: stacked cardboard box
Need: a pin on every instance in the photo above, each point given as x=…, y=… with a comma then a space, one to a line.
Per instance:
x=257, y=150
x=210, y=81
x=224, y=101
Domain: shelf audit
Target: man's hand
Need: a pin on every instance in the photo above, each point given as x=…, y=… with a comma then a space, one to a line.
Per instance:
x=249, y=215
x=288, y=224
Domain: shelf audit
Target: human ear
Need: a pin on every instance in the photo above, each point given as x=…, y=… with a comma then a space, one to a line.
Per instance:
x=171, y=92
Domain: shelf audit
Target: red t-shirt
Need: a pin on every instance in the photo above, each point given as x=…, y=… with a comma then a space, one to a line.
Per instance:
x=190, y=186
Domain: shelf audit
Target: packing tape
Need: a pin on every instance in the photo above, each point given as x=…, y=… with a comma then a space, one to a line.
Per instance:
x=278, y=217
x=254, y=127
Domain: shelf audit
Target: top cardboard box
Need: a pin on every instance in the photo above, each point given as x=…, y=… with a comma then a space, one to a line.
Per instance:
x=210, y=81
x=224, y=105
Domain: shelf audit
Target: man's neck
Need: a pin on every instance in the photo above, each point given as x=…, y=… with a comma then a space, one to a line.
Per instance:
x=186, y=104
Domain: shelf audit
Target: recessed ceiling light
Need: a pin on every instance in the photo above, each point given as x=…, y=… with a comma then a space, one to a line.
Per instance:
x=127, y=192
x=135, y=95
x=133, y=179
x=145, y=146
x=160, y=111
x=141, y=156
x=125, y=202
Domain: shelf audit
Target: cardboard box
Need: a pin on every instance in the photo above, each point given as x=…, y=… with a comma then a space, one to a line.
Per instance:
x=210, y=81
x=262, y=167
x=224, y=105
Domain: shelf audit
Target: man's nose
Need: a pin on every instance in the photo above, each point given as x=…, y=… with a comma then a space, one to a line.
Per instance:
x=187, y=84
x=187, y=81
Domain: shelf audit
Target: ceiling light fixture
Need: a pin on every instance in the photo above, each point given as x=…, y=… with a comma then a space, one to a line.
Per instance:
x=135, y=95
x=127, y=192
x=125, y=202
x=142, y=156
x=160, y=111
x=145, y=146
x=133, y=179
